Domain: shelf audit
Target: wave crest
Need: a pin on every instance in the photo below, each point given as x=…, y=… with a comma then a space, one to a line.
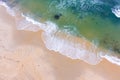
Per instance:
x=71, y=47
x=116, y=11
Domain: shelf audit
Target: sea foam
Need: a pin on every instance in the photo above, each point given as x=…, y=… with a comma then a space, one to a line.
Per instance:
x=112, y=59
x=10, y=11
x=47, y=26
x=71, y=48
x=116, y=11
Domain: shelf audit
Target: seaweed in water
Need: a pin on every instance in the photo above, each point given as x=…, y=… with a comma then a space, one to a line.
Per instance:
x=116, y=46
x=111, y=44
x=57, y=16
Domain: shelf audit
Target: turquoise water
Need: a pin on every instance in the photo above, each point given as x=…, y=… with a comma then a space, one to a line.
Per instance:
x=92, y=19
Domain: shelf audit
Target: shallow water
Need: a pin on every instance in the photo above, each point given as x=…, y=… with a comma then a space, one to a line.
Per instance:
x=94, y=20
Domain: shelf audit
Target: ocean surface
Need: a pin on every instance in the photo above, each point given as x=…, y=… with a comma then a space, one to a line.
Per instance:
x=95, y=21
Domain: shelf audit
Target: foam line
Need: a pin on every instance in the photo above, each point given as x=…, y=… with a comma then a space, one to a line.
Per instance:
x=112, y=59
x=10, y=11
x=116, y=11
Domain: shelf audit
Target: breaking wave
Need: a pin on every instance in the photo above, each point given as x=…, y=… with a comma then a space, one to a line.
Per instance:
x=112, y=59
x=64, y=43
x=10, y=11
x=116, y=11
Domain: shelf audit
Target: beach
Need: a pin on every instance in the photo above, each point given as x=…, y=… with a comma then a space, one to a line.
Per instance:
x=23, y=56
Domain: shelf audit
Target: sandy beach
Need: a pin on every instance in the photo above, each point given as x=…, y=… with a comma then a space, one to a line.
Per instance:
x=23, y=56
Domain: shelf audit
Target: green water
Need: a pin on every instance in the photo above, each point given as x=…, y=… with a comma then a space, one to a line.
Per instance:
x=93, y=23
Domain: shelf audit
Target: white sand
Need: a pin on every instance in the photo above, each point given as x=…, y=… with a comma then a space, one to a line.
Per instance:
x=23, y=56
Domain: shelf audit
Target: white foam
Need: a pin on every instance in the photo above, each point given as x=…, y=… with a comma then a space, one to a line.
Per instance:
x=112, y=59
x=10, y=11
x=64, y=47
x=116, y=11
x=71, y=49
x=48, y=26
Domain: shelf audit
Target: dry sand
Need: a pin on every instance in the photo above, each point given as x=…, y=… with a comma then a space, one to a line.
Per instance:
x=23, y=56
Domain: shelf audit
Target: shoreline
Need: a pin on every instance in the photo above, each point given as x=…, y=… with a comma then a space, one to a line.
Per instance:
x=98, y=53
x=31, y=60
x=26, y=23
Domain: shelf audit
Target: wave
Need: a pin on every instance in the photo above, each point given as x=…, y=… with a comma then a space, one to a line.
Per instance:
x=47, y=26
x=112, y=59
x=116, y=11
x=10, y=11
x=65, y=44
x=73, y=48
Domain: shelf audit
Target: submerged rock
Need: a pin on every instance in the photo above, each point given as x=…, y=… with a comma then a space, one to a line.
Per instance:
x=57, y=16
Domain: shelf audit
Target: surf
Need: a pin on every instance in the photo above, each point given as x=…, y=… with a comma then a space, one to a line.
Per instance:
x=116, y=11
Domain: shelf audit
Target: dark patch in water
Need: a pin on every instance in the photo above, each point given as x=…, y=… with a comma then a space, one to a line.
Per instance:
x=57, y=16
x=116, y=46
x=111, y=44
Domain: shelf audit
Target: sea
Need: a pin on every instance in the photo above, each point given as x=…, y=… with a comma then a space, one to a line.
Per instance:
x=87, y=30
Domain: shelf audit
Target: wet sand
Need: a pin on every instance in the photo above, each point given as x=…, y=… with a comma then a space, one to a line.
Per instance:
x=23, y=56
